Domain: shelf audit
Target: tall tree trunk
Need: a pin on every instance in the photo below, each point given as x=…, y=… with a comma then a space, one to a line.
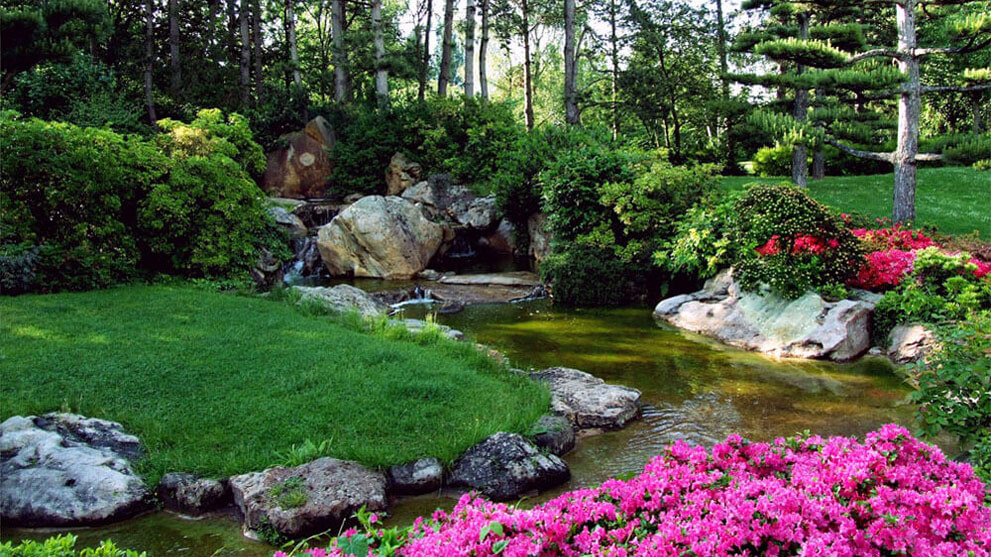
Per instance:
x=342, y=86
x=242, y=18
x=446, y=47
x=818, y=162
x=975, y=106
x=425, y=59
x=381, y=72
x=799, y=155
x=149, y=59
x=527, y=77
x=614, y=54
x=470, y=48
x=175, y=70
x=291, y=39
x=256, y=34
x=571, y=115
x=909, y=107
x=724, y=80
x=483, y=47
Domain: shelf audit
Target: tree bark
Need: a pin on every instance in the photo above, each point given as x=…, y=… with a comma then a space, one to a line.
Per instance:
x=445, y=53
x=909, y=107
x=242, y=18
x=571, y=114
x=527, y=76
x=175, y=70
x=291, y=39
x=425, y=63
x=256, y=35
x=799, y=155
x=614, y=54
x=149, y=59
x=381, y=72
x=724, y=79
x=818, y=162
x=483, y=47
x=342, y=86
x=470, y=48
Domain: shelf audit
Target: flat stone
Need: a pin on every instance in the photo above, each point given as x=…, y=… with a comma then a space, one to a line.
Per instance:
x=415, y=478
x=587, y=401
x=192, y=495
x=506, y=466
x=518, y=278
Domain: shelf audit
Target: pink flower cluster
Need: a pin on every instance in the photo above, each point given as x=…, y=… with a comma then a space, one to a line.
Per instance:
x=802, y=244
x=983, y=268
x=890, y=495
x=895, y=237
x=884, y=269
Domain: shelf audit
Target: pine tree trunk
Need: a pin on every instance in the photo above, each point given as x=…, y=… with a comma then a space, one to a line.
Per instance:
x=175, y=70
x=445, y=53
x=470, y=48
x=483, y=47
x=425, y=60
x=291, y=39
x=909, y=108
x=724, y=79
x=342, y=87
x=242, y=18
x=975, y=105
x=381, y=72
x=571, y=114
x=614, y=54
x=256, y=33
x=818, y=162
x=527, y=77
x=799, y=155
x=149, y=59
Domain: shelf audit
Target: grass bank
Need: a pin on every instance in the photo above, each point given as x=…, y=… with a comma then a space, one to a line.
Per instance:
x=956, y=200
x=220, y=384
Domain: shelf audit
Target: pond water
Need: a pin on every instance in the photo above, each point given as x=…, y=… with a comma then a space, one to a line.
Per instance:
x=693, y=389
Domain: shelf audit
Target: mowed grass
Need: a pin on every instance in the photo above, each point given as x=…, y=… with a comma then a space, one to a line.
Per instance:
x=219, y=384
x=956, y=200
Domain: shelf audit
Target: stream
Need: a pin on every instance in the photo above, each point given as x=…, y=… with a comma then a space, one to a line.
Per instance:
x=693, y=389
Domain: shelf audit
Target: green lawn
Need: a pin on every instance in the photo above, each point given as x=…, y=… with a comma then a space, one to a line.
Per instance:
x=221, y=384
x=955, y=200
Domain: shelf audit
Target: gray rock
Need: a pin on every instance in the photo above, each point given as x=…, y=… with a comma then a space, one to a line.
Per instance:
x=808, y=327
x=293, y=224
x=515, y=278
x=477, y=213
x=506, y=466
x=442, y=200
x=342, y=298
x=401, y=174
x=191, y=494
x=587, y=401
x=418, y=325
x=502, y=240
x=554, y=434
x=307, y=499
x=415, y=478
x=67, y=470
x=379, y=237
x=910, y=343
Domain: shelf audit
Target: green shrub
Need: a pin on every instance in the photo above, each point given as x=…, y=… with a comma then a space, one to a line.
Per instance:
x=587, y=273
x=983, y=165
x=701, y=244
x=212, y=133
x=809, y=246
x=63, y=545
x=773, y=161
x=980, y=457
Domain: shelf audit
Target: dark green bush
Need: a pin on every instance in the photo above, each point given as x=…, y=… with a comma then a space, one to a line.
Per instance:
x=586, y=273
x=784, y=218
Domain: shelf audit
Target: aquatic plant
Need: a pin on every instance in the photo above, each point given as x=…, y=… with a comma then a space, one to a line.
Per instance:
x=891, y=494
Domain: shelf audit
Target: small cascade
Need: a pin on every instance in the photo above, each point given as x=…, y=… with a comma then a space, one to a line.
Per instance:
x=306, y=263
x=538, y=292
x=460, y=248
x=418, y=295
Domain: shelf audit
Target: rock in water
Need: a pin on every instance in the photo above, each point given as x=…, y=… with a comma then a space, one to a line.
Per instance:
x=68, y=470
x=379, y=237
x=808, y=327
x=342, y=298
x=554, y=433
x=288, y=221
x=415, y=478
x=191, y=494
x=587, y=401
x=307, y=499
x=506, y=466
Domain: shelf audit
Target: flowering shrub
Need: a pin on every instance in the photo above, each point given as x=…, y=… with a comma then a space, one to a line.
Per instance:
x=884, y=270
x=890, y=495
x=894, y=237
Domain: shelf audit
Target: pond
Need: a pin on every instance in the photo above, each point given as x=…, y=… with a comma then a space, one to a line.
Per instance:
x=693, y=389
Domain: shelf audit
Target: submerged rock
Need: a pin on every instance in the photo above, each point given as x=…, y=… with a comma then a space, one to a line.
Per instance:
x=808, y=327
x=506, y=466
x=191, y=494
x=587, y=401
x=910, y=343
x=415, y=478
x=307, y=499
x=342, y=298
x=379, y=237
x=68, y=470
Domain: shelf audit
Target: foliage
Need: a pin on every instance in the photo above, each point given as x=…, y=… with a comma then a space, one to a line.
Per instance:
x=701, y=245
x=790, y=243
x=773, y=161
x=63, y=545
x=262, y=356
x=213, y=133
x=588, y=273
x=980, y=456
x=890, y=494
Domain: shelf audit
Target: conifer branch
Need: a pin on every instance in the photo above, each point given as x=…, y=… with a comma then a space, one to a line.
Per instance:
x=872, y=155
x=877, y=53
x=956, y=88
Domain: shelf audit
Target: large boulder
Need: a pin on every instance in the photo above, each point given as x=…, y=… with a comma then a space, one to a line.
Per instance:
x=192, y=495
x=540, y=236
x=342, y=298
x=502, y=240
x=506, y=466
x=379, y=237
x=808, y=327
x=587, y=401
x=452, y=203
x=554, y=434
x=401, y=174
x=300, y=168
x=911, y=343
x=67, y=470
x=308, y=499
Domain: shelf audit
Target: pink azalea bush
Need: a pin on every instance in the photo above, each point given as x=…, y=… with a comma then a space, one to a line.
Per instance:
x=890, y=495
x=884, y=270
x=895, y=237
